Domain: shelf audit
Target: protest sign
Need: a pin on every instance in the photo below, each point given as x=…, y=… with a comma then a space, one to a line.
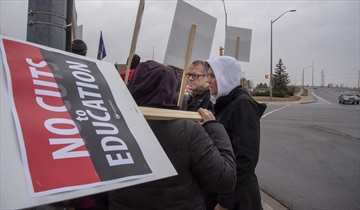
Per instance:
x=75, y=128
x=238, y=43
x=191, y=36
x=185, y=16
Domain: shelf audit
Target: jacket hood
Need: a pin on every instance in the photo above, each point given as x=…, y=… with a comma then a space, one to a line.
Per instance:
x=153, y=85
x=227, y=72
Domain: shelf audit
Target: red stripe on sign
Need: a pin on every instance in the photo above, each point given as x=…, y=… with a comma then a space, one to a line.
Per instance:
x=55, y=152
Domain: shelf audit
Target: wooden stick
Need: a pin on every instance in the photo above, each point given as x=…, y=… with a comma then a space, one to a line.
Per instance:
x=74, y=26
x=134, y=38
x=237, y=48
x=168, y=114
x=187, y=63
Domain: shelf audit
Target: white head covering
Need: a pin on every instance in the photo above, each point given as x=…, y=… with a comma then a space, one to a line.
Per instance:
x=227, y=72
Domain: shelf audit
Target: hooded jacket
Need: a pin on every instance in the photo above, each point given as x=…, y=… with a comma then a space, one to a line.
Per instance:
x=199, y=100
x=201, y=155
x=240, y=114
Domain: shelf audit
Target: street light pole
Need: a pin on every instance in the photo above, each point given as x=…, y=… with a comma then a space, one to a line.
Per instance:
x=271, y=77
x=303, y=76
x=225, y=18
x=358, y=76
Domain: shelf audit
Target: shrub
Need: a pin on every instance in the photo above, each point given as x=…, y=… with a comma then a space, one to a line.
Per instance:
x=280, y=94
x=290, y=93
x=266, y=93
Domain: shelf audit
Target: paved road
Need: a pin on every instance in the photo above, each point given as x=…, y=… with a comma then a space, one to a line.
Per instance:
x=310, y=153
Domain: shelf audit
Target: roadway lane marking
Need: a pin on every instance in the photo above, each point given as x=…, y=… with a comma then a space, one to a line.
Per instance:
x=274, y=111
x=320, y=98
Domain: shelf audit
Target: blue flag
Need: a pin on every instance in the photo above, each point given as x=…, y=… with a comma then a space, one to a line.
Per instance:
x=101, y=52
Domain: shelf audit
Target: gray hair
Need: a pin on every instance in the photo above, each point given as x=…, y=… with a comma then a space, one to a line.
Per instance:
x=199, y=62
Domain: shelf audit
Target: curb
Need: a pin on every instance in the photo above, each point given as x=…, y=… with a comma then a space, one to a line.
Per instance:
x=303, y=99
x=269, y=203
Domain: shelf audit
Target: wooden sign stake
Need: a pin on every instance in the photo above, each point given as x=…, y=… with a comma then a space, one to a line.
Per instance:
x=237, y=48
x=187, y=63
x=134, y=38
x=168, y=114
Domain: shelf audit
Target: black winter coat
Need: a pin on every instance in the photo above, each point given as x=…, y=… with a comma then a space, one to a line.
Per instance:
x=197, y=101
x=240, y=115
x=201, y=159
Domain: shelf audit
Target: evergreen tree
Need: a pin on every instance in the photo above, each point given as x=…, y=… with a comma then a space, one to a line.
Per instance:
x=280, y=78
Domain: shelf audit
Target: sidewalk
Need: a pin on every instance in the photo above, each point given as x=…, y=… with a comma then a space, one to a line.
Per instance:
x=269, y=203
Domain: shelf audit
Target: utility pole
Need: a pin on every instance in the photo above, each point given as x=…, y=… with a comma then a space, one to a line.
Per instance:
x=153, y=53
x=312, y=77
x=358, y=77
x=47, y=22
x=303, y=77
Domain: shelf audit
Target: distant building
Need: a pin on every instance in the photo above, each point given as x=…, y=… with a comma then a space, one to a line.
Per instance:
x=261, y=88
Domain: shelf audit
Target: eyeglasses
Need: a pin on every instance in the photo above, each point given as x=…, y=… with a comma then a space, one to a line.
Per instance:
x=194, y=76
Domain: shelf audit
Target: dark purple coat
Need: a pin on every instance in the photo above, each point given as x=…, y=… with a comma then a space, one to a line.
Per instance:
x=201, y=154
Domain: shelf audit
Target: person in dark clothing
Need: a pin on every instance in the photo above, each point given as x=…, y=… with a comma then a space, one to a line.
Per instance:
x=201, y=154
x=240, y=114
x=199, y=96
x=134, y=63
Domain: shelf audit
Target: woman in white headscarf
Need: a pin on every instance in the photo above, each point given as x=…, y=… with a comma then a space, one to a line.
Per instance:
x=240, y=115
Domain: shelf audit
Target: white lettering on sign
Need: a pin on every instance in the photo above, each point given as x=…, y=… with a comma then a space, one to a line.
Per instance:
x=92, y=100
x=116, y=147
x=67, y=152
x=40, y=100
x=50, y=125
x=59, y=126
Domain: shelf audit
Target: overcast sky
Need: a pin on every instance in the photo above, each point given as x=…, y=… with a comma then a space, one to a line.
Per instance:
x=323, y=33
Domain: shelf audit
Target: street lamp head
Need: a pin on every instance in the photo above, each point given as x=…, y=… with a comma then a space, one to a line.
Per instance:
x=293, y=10
x=306, y=67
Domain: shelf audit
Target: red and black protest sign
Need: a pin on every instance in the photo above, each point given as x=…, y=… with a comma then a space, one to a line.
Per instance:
x=72, y=131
